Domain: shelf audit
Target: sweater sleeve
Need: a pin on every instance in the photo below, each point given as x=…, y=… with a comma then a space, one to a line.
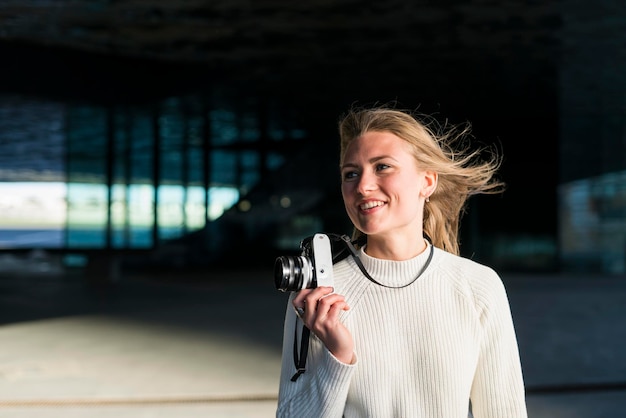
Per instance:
x=498, y=388
x=319, y=392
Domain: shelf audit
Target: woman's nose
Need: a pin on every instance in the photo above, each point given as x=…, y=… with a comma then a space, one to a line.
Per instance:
x=367, y=183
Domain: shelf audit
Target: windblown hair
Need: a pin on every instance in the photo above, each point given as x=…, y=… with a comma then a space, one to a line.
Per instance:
x=445, y=149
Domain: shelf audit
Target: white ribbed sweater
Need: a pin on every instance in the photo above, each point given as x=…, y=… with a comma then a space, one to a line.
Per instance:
x=423, y=351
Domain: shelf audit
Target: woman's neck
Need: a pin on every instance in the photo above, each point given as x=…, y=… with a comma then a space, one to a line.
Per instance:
x=398, y=249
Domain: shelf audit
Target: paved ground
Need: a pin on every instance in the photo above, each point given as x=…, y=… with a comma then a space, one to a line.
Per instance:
x=210, y=347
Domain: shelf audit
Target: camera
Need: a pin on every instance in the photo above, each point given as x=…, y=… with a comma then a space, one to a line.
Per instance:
x=313, y=268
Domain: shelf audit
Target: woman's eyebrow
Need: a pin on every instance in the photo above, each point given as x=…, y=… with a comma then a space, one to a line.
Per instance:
x=380, y=157
x=371, y=161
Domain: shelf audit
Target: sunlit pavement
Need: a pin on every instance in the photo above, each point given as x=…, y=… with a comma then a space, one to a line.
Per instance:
x=210, y=346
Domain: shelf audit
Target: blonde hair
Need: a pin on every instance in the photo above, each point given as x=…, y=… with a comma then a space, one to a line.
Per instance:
x=444, y=149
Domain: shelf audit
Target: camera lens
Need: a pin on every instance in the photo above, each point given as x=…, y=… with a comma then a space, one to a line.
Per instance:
x=292, y=273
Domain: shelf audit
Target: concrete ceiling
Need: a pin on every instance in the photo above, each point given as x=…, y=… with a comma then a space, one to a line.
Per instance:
x=232, y=32
x=444, y=47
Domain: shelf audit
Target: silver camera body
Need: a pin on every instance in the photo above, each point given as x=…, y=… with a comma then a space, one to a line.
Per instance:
x=312, y=269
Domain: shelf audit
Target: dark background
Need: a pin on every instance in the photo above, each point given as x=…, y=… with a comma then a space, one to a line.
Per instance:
x=498, y=66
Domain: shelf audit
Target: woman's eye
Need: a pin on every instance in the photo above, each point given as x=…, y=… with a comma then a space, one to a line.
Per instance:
x=349, y=175
x=380, y=167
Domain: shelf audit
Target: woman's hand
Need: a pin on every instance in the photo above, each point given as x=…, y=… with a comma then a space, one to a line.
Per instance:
x=321, y=315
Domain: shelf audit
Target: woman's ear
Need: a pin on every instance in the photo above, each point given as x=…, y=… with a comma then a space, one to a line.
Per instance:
x=430, y=183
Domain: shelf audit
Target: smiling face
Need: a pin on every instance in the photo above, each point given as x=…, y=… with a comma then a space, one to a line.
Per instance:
x=382, y=187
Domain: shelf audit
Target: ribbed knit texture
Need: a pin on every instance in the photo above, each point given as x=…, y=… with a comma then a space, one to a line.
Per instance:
x=423, y=351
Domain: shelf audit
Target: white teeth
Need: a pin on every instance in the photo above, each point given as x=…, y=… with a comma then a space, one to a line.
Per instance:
x=370, y=205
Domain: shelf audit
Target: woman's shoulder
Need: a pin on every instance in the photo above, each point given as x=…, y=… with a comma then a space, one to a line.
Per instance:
x=463, y=266
x=470, y=277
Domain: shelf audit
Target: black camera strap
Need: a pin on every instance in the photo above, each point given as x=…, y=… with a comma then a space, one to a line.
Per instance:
x=300, y=360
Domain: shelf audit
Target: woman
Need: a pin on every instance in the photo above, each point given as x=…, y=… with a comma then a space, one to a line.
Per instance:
x=428, y=333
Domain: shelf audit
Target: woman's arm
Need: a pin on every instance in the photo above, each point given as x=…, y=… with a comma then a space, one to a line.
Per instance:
x=321, y=391
x=498, y=388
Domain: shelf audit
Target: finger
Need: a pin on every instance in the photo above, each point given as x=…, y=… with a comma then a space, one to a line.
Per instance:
x=327, y=302
x=298, y=300
x=306, y=303
x=335, y=310
x=316, y=294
